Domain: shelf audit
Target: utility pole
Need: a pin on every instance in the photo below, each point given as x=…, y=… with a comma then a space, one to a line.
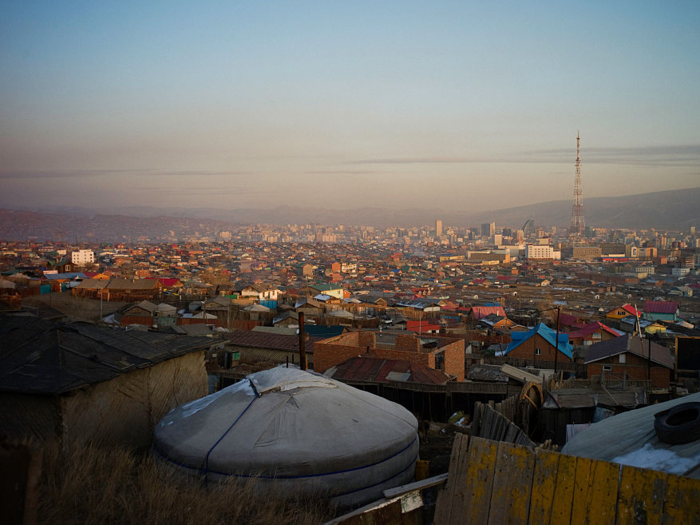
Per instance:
x=302, y=343
x=556, y=346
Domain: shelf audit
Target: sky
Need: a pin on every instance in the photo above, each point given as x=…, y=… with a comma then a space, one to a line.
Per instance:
x=464, y=105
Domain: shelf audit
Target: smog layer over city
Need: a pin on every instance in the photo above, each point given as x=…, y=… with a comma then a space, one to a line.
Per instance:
x=325, y=262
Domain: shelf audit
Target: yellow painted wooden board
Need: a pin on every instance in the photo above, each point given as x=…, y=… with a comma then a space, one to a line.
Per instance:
x=595, y=492
x=544, y=483
x=683, y=501
x=641, y=496
x=564, y=490
x=479, y=481
x=512, y=485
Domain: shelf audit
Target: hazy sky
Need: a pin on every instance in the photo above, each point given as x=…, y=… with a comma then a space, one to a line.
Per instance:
x=466, y=105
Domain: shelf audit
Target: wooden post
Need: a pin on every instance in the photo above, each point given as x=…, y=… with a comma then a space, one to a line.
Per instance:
x=556, y=346
x=302, y=343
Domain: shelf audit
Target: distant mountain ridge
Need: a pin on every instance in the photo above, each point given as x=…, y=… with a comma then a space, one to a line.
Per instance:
x=672, y=210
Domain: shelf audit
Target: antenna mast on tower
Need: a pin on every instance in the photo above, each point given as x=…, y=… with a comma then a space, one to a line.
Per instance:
x=578, y=225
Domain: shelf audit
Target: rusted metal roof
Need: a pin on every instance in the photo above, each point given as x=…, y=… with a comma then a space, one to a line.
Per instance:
x=286, y=343
x=370, y=369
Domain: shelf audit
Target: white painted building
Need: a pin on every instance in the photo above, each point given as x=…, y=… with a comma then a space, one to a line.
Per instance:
x=680, y=272
x=542, y=252
x=82, y=257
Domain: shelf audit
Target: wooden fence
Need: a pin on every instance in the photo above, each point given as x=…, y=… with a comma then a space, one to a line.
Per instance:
x=498, y=483
x=568, y=366
x=496, y=422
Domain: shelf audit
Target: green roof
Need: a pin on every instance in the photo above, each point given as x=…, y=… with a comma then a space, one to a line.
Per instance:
x=325, y=287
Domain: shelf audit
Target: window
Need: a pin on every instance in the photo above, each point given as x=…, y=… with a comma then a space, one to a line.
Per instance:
x=440, y=362
x=538, y=351
x=623, y=358
x=607, y=368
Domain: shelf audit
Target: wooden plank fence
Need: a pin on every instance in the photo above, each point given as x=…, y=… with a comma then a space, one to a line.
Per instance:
x=499, y=483
x=495, y=422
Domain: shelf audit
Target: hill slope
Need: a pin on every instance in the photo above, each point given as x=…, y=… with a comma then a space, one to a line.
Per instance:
x=672, y=210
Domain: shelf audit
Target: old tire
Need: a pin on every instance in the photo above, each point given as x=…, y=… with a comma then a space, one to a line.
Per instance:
x=678, y=425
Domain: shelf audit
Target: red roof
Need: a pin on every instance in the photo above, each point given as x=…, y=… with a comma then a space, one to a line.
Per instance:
x=592, y=328
x=421, y=326
x=660, y=307
x=567, y=320
x=630, y=310
x=166, y=281
x=479, y=312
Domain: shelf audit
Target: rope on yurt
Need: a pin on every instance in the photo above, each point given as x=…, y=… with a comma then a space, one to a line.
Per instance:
x=206, y=460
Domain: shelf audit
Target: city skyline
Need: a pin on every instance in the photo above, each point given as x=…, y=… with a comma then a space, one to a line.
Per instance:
x=332, y=105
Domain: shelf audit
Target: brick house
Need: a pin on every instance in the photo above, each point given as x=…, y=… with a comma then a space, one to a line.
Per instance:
x=252, y=347
x=627, y=356
x=438, y=353
x=539, y=343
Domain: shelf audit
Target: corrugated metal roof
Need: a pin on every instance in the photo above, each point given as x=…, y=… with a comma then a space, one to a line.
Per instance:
x=565, y=347
x=479, y=312
x=592, y=328
x=45, y=357
x=629, y=343
x=287, y=343
x=369, y=368
x=660, y=307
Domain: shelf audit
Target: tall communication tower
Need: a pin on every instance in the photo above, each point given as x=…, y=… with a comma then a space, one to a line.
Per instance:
x=578, y=225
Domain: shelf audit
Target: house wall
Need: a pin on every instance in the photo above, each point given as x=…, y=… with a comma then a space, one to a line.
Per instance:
x=145, y=320
x=339, y=349
x=591, y=339
x=617, y=314
x=30, y=416
x=126, y=409
x=454, y=359
x=651, y=316
x=526, y=350
x=253, y=355
x=634, y=367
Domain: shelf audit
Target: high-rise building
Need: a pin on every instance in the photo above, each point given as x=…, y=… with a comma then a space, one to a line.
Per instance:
x=488, y=229
x=529, y=228
x=578, y=225
x=438, y=228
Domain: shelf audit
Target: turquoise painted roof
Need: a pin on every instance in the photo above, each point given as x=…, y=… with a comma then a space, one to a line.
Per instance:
x=549, y=334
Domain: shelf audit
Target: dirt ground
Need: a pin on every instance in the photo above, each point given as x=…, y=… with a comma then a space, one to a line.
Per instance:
x=437, y=449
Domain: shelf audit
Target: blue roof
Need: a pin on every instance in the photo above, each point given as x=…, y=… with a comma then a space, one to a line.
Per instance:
x=549, y=334
x=69, y=275
x=323, y=330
